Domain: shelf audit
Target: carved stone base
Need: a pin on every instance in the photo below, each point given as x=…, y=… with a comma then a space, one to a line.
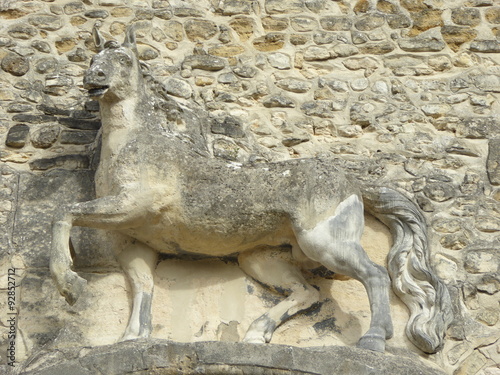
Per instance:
x=162, y=357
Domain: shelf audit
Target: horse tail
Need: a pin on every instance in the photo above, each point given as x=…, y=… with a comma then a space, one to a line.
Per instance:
x=413, y=280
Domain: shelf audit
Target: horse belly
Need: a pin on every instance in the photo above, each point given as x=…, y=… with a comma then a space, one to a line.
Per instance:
x=214, y=236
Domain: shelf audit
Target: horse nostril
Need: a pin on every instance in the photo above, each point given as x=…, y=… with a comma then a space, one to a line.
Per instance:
x=100, y=73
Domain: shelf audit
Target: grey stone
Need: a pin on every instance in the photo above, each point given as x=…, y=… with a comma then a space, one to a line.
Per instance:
x=17, y=136
x=279, y=60
x=188, y=12
x=439, y=191
x=166, y=357
x=228, y=126
x=487, y=82
x=314, y=53
x=370, y=22
x=493, y=161
x=178, y=87
x=284, y=6
x=73, y=161
x=233, y=7
x=204, y=62
x=46, y=65
x=45, y=136
x=294, y=85
x=319, y=108
x=485, y=46
x=41, y=46
x=336, y=23
x=481, y=261
x=478, y=127
x=200, y=30
x=422, y=44
x=74, y=7
x=278, y=101
x=398, y=21
x=78, y=123
x=77, y=55
x=245, y=71
x=466, y=16
x=323, y=37
x=97, y=13
x=19, y=107
x=77, y=137
x=303, y=23
x=47, y=22
x=16, y=65
x=228, y=78
x=22, y=31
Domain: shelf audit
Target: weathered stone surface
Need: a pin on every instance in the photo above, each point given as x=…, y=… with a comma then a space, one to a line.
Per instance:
x=204, y=62
x=425, y=19
x=466, y=16
x=77, y=137
x=302, y=24
x=165, y=357
x=178, y=87
x=422, y=43
x=284, y=6
x=376, y=48
x=370, y=22
x=198, y=29
x=481, y=261
x=15, y=64
x=294, y=85
x=314, y=53
x=64, y=162
x=17, y=136
x=478, y=127
x=492, y=15
x=485, y=46
x=274, y=23
x=22, y=31
x=269, y=42
x=232, y=7
x=45, y=136
x=335, y=23
x=455, y=36
x=47, y=22
x=278, y=101
x=97, y=13
x=228, y=126
x=279, y=60
x=243, y=27
x=493, y=162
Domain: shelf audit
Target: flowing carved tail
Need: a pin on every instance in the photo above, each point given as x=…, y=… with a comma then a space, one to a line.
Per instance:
x=413, y=280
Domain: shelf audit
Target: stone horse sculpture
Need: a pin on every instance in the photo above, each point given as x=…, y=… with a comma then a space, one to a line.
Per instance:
x=156, y=194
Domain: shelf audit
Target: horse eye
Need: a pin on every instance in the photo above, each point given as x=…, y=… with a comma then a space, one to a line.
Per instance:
x=123, y=60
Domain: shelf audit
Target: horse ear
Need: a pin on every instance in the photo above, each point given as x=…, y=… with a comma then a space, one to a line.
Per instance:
x=98, y=38
x=130, y=39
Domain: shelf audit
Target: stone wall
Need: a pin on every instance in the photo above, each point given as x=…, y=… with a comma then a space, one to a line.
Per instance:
x=403, y=93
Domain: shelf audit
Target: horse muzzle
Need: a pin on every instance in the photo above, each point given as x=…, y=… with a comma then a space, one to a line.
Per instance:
x=97, y=91
x=94, y=83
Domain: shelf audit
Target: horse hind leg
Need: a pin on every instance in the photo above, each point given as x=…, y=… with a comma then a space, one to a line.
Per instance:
x=275, y=269
x=335, y=244
x=138, y=261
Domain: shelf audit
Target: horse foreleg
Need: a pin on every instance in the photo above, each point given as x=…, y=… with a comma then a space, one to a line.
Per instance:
x=138, y=261
x=114, y=212
x=276, y=270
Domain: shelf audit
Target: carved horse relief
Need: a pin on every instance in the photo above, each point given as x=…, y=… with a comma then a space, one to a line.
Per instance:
x=156, y=194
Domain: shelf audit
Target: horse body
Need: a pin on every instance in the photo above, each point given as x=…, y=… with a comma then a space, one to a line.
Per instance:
x=156, y=194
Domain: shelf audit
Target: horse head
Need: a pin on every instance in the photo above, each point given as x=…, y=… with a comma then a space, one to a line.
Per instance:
x=115, y=71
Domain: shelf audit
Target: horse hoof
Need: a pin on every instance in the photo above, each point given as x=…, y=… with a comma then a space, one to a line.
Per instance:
x=74, y=288
x=372, y=342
